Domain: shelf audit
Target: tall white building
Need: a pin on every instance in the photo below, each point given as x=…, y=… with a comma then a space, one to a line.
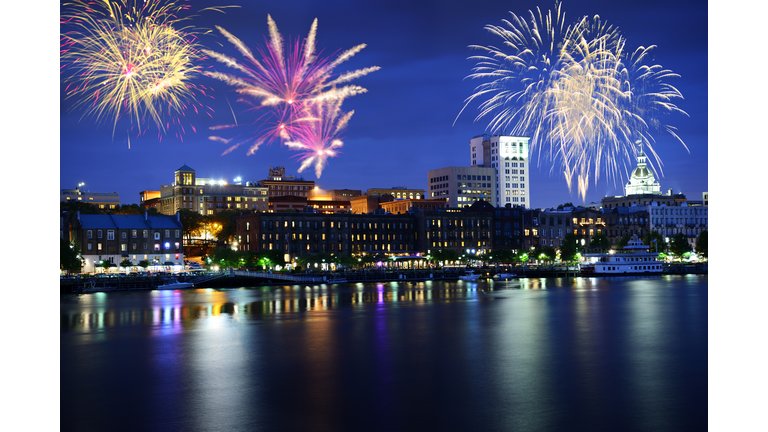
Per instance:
x=508, y=155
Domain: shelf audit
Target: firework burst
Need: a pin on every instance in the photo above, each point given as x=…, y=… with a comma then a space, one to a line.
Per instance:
x=123, y=60
x=318, y=140
x=575, y=91
x=289, y=86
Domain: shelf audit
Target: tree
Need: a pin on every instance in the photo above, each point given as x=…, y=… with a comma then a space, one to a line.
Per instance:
x=191, y=221
x=623, y=241
x=227, y=220
x=129, y=209
x=503, y=256
x=144, y=264
x=69, y=257
x=549, y=253
x=126, y=263
x=562, y=206
x=269, y=259
x=679, y=245
x=569, y=248
x=701, y=244
x=655, y=241
x=75, y=206
x=600, y=241
x=445, y=255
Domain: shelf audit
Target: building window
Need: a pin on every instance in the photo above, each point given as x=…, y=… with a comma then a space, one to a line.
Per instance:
x=110, y=235
x=89, y=234
x=145, y=233
x=157, y=236
x=98, y=234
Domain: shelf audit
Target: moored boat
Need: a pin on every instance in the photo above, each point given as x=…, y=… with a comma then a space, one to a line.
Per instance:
x=469, y=276
x=505, y=276
x=634, y=259
x=174, y=285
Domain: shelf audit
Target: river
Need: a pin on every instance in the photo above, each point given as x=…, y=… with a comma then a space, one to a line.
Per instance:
x=566, y=354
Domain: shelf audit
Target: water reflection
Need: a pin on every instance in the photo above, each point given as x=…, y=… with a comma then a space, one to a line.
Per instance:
x=529, y=354
x=168, y=311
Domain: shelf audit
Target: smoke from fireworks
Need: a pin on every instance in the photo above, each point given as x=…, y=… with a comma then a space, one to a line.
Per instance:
x=575, y=91
x=123, y=59
x=294, y=91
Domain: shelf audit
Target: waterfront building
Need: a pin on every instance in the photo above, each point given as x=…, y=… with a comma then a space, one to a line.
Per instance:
x=668, y=221
x=306, y=233
x=454, y=229
x=462, y=186
x=209, y=196
x=508, y=156
x=102, y=200
x=112, y=238
x=626, y=221
x=548, y=227
x=508, y=227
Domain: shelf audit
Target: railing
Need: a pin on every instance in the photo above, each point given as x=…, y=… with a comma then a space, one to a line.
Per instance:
x=279, y=276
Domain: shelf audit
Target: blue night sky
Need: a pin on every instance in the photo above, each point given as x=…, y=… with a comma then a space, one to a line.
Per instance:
x=404, y=125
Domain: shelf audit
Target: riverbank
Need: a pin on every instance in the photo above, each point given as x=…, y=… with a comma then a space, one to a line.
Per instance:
x=230, y=279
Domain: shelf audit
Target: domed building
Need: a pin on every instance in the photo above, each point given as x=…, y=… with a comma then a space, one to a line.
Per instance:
x=642, y=180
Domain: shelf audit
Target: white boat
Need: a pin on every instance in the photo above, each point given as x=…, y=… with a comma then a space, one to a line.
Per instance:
x=336, y=281
x=504, y=276
x=174, y=285
x=469, y=276
x=634, y=259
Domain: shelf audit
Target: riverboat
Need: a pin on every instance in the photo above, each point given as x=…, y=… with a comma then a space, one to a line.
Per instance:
x=634, y=259
x=174, y=285
x=470, y=276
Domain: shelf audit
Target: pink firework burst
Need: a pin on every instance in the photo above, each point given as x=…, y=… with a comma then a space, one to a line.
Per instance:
x=287, y=86
x=319, y=140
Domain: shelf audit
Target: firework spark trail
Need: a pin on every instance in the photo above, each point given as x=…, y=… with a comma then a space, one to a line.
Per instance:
x=119, y=59
x=318, y=140
x=289, y=86
x=575, y=91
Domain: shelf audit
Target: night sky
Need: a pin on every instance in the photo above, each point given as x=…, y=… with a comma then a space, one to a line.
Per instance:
x=404, y=125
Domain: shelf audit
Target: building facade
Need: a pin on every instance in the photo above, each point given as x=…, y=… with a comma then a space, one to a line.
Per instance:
x=279, y=184
x=462, y=186
x=296, y=234
x=508, y=156
x=208, y=196
x=669, y=221
x=114, y=238
x=397, y=192
x=410, y=205
x=462, y=231
x=102, y=200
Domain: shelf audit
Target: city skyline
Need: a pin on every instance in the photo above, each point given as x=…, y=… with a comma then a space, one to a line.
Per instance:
x=404, y=125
